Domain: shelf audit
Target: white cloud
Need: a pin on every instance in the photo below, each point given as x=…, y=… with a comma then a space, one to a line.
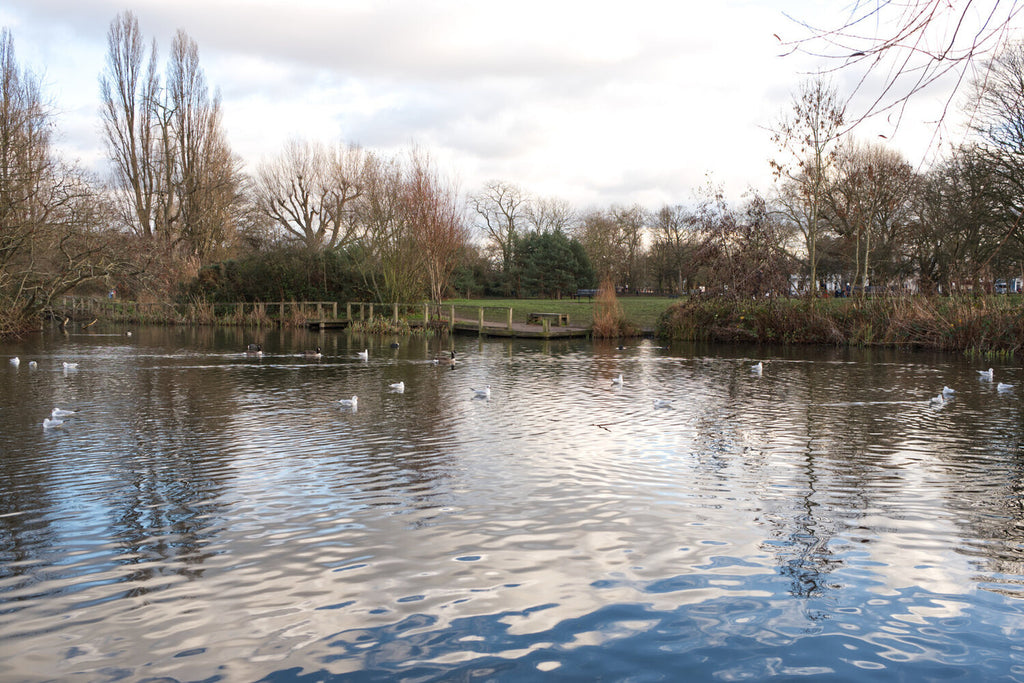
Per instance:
x=592, y=102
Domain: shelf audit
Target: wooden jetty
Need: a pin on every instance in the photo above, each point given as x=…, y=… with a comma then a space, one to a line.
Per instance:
x=487, y=321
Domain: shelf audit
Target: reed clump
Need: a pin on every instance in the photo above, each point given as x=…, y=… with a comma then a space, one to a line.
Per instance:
x=381, y=325
x=969, y=324
x=609, y=322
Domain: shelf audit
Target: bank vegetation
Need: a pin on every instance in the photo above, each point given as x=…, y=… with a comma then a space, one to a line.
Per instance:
x=176, y=223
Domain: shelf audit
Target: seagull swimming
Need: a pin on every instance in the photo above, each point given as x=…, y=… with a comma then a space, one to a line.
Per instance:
x=1004, y=387
x=33, y=365
x=985, y=374
x=397, y=387
x=15, y=361
x=70, y=366
x=482, y=393
x=946, y=391
x=364, y=354
x=50, y=424
x=59, y=412
x=757, y=368
x=662, y=403
x=352, y=403
x=937, y=400
x=617, y=380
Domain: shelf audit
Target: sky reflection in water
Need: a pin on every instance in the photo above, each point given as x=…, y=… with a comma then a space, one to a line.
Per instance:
x=206, y=515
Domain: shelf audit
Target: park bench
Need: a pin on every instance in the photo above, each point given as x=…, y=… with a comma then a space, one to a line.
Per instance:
x=552, y=318
x=589, y=293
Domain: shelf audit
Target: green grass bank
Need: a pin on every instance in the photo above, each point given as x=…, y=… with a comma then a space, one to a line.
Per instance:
x=643, y=313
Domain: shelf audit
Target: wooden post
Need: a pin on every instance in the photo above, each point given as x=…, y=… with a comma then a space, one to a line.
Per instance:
x=510, y=318
x=480, y=320
x=334, y=310
x=396, y=313
x=319, y=311
x=451, y=325
x=546, y=325
x=348, y=311
x=280, y=315
x=371, y=313
x=426, y=316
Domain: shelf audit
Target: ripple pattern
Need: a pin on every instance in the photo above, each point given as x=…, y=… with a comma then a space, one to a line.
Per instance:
x=208, y=516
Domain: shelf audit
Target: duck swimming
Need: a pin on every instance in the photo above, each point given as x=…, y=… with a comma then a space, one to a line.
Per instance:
x=313, y=354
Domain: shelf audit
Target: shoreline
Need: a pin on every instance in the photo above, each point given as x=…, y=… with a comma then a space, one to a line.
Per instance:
x=985, y=325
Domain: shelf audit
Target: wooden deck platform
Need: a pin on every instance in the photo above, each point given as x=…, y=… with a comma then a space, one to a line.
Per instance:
x=520, y=330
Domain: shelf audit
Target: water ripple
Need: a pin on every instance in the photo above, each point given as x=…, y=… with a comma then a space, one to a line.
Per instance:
x=204, y=515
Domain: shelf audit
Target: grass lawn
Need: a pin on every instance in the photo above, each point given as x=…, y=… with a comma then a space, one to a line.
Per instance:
x=642, y=311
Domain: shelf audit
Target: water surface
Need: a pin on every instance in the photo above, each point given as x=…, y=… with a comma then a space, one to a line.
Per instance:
x=206, y=515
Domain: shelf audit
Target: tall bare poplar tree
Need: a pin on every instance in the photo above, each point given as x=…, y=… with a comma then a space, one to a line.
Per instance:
x=206, y=178
x=130, y=90
x=173, y=167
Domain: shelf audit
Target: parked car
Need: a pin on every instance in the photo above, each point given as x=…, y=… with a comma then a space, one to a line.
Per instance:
x=1000, y=287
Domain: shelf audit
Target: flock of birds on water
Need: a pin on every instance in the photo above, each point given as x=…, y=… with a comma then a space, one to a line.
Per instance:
x=56, y=418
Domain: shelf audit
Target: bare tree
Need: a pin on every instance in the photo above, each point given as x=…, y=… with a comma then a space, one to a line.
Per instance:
x=435, y=219
x=346, y=176
x=500, y=209
x=51, y=236
x=130, y=91
x=868, y=204
x=551, y=215
x=673, y=229
x=909, y=45
x=206, y=180
x=392, y=261
x=598, y=232
x=631, y=222
x=807, y=136
x=292, y=190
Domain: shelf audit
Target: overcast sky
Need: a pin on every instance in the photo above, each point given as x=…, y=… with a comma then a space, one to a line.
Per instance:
x=596, y=103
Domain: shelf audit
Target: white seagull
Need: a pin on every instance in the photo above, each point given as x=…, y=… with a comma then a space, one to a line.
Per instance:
x=50, y=424
x=70, y=366
x=33, y=365
x=937, y=400
x=482, y=393
x=662, y=403
x=946, y=391
x=352, y=403
x=617, y=380
x=59, y=412
x=364, y=354
x=15, y=361
x=757, y=368
x=397, y=387
x=1004, y=387
x=985, y=374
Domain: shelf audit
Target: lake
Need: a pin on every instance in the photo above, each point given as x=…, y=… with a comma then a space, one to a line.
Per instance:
x=205, y=515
